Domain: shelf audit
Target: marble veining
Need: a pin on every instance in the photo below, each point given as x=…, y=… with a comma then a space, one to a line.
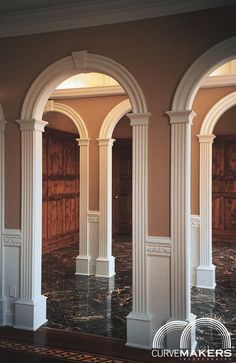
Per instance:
x=98, y=306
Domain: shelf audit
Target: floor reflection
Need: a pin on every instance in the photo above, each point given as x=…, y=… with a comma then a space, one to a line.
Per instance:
x=100, y=306
x=86, y=303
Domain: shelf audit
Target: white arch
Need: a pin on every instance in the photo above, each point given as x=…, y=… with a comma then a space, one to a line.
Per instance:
x=216, y=112
x=206, y=138
x=31, y=125
x=181, y=116
x=113, y=118
x=202, y=67
x=72, y=114
x=79, y=62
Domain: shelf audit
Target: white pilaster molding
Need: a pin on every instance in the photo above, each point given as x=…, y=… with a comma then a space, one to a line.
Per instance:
x=180, y=214
x=82, y=261
x=206, y=270
x=139, y=319
x=30, y=308
x=105, y=263
x=2, y=205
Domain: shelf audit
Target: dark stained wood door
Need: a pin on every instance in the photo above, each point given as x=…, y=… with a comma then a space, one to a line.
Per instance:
x=122, y=186
x=224, y=188
x=60, y=189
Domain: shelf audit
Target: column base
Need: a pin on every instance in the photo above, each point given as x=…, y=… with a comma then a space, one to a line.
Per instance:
x=3, y=311
x=206, y=277
x=30, y=315
x=173, y=338
x=84, y=266
x=139, y=331
x=105, y=267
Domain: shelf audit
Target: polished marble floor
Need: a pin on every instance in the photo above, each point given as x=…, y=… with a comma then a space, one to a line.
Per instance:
x=86, y=303
x=94, y=306
x=219, y=304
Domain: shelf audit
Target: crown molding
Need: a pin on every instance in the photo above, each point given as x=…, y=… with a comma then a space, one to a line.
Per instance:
x=219, y=81
x=27, y=18
x=87, y=92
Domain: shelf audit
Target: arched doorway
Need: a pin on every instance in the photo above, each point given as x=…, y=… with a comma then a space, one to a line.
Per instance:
x=31, y=308
x=181, y=117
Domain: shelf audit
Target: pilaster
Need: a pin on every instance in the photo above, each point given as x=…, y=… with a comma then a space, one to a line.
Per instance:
x=30, y=308
x=105, y=263
x=180, y=214
x=2, y=204
x=206, y=270
x=83, y=260
x=139, y=319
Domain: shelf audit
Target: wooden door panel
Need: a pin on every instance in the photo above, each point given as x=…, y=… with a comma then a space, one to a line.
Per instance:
x=122, y=187
x=224, y=188
x=60, y=189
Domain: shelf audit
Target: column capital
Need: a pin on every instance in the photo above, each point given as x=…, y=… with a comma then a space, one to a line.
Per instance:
x=181, y=117
x=37, y=125
x=2, y=125
x=139, y=119
x=206, y=138
x=105, y=142
x=83, y=142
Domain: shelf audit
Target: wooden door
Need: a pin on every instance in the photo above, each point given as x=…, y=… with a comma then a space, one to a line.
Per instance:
x=60, y=189
x=224, y=188
x=122, y=186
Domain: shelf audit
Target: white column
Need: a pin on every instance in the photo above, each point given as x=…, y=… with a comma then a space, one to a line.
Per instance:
x=3, y=299
x=83, y=260
x=139, y=332
x=206, y=270
x=180, y=214
x=105, y=263
x=30, y=309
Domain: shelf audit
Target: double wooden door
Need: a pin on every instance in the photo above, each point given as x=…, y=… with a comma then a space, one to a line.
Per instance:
x=122, y=186
x=224, y=188
x=60, y=189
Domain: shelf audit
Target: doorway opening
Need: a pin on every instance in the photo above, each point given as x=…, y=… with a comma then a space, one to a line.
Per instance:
x=215, y=128
x=76, y=301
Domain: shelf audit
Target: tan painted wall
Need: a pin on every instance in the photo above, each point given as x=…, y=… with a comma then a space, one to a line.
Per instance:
x=204, y=101
x=226, y=125
x=156, y=51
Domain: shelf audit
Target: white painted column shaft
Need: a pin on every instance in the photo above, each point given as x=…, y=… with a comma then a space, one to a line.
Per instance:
x=83, y=260
x=180, y=214
x=2, y=205
x=206, y=271
x=105, y=263
x=139, y=320
x=30, y=309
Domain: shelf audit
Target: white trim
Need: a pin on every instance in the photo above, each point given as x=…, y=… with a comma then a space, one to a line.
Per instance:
x=195, y=221
x=205, y=270
x=88, y=92
x=80, y=14
x=219, y=81
x=33, y=108
x=158, y=240
x=72, y=114
x=113, y=118
x=3, y=307
x=204, y=65
x=216, y=112
x=53, y=75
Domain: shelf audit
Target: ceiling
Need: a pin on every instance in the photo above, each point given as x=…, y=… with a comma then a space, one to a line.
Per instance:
x=20, y=17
